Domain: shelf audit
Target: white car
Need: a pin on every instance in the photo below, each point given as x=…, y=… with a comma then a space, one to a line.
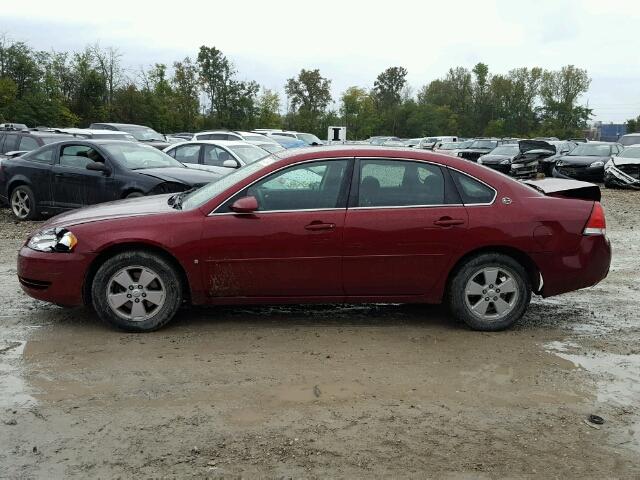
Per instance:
x=232, y=135
x=308, y=138
x=217, y=156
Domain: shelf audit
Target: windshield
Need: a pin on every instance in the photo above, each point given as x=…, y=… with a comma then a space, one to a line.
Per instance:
x=484, y=144
x=256, y=138
x=143, y=134
x=465, y=144
x=505, y=150
x=449, y=146
x=309, y=138
x=630, y=153
x=627, y=140
x=137, y=157
x=114, y=136
x=206, y=193
x=590, y=150
x=248, y=153
x=272, y=147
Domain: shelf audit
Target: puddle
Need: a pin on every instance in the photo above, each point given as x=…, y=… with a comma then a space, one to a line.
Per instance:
x=13, y=390
x=617, y=380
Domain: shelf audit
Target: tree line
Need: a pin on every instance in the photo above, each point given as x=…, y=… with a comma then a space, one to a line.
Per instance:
x=41, y=88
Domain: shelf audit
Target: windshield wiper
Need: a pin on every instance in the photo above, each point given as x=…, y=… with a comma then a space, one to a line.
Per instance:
x=176, y=199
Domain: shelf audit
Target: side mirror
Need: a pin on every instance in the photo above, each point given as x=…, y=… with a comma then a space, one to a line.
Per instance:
x=245, y=205
x=98, y=167
x=230, y=164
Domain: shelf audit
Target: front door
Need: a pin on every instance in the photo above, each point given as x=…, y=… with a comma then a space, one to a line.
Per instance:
x=401, y=228
x=73, y=185
x=291, y=246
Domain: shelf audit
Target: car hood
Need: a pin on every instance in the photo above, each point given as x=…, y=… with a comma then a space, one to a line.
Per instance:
x=582, y=161
x=187, y=176
x=495, y=158
x=476, y=150
x=625, y=161
x=131, y=207
x=159, y=144
x=534, y=145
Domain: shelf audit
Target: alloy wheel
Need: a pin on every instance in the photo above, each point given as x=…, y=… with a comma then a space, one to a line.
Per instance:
x=136, y=293
x=491, y=293
x=20, y=203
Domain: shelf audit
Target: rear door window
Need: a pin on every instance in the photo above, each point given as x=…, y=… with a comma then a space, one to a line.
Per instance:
x=396, y=183
x=10, y=143
x=187, y=153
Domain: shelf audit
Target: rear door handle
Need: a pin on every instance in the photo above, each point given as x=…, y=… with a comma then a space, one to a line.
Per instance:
x=448, y=222
x=315, y=226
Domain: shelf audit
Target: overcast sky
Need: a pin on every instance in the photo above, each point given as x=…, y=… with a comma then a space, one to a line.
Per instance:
x=352, y=41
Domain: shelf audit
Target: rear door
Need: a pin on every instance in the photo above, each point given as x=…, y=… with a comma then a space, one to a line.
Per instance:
x=403, y=222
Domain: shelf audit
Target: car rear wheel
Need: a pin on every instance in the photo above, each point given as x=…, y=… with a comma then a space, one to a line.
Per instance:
x=23, y=203
x=136, y=291
x=490, y=292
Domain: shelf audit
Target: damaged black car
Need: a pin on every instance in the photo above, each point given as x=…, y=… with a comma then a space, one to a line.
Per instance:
x=623, y=170
x=586, y=161
x=73, y=174
x=520, y=159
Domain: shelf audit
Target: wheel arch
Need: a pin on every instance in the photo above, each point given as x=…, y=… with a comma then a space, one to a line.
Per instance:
x=518, y=255
x=16, y=181
x=112, y=250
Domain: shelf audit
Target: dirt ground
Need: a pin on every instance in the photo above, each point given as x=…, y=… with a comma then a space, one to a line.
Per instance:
x=327, y=392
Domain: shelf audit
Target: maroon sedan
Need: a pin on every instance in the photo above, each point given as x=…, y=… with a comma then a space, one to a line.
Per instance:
x=331, y=224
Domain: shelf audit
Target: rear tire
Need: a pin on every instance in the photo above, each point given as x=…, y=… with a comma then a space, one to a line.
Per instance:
x=23, y=203
x=136, y=291
x=490, y=292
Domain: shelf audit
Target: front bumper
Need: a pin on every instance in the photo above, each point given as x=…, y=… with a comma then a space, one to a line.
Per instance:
x=616, y=177
x=53, y=277
x=587, y=174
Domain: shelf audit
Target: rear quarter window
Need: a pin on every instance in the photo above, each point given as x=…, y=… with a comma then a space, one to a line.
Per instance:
x=472, y=191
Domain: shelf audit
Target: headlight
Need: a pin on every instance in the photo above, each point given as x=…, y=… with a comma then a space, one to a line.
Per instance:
x=480, y=160
x=609, y=164
x=53, y=240
x=460, y=154
x=506, y=161
x=559, y=163
x=597, y=164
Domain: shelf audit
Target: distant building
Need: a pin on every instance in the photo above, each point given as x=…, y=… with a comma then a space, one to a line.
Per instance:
x=609, y=132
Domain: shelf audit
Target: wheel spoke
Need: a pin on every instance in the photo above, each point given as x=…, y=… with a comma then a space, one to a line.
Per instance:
x=123, y=279
x=474, y=288
x=146, y=277
x=155, y=297
x=118, y=299
x=480, y=307
x=490, y=276
x=137, y=310
x=501, y=306
x=508, y=286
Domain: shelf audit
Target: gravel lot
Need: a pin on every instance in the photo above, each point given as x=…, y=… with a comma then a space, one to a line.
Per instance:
x=329, y=391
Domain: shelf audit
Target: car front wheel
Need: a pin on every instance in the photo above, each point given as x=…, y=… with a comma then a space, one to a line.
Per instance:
x=490, y=292
x=23, y=203
x=136, y=291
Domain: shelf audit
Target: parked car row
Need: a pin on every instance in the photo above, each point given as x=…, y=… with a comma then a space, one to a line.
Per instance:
x=574, y=158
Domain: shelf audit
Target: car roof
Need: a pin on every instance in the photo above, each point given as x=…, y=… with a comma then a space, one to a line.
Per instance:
x=91, y=131
x=119, y=124
x=40, y=133
x=223, y=143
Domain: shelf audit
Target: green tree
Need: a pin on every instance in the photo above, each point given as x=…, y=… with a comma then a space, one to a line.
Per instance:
x=269, y=110
x=309, y=95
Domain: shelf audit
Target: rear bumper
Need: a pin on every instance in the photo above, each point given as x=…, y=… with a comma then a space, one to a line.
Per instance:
x=53, y=277
x=584, y=268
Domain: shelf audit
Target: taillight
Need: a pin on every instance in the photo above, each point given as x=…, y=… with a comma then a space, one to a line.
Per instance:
x=596, y=225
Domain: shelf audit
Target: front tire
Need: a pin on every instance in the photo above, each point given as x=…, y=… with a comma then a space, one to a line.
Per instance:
x=134, y=195
x=136, y=291
x=490, y=292
x=23, y=203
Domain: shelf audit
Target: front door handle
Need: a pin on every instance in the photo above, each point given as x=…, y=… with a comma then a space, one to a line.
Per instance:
x=448, y=222
x=315, y=226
